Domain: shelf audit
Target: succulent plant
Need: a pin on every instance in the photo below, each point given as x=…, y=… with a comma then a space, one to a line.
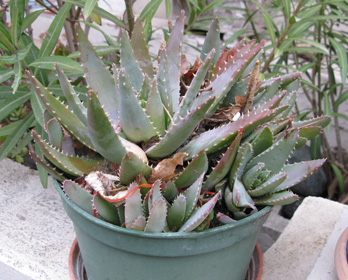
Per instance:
x=160, y=146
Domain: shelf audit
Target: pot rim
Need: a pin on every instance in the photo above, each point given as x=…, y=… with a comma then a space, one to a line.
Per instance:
x=167, y=235
x=341, y=261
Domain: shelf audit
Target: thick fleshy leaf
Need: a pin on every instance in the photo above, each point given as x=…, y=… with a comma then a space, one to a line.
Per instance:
x=50, y=170
x=141, y=50
x=176, y=213
x=224, y=165
x=321, y=121
x=55, y=133
x=129, y=62
x=200, y=215
x=192, y=195
x=251, y=175
x=134, y=122
x=298, y=172
x=179, y=132
x=279, y=198
x=99, y=78
x=212, y=41
x=154, y=109
x=106, y=210
x=132, y=166
x=269, y=185
x=67, y=118
x=73, y=165
x=263, y=141
x=193, y=170
x=193, y=90
x=156, y=222
x=276, y=156
x=245, y=153
x=241, y=198
x=210, y=143
x=139, y=224
x=78, y=195
x=155, y=194
x=73, y=100
x=133, y=206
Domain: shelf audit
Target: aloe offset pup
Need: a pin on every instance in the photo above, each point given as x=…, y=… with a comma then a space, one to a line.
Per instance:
x=172, y=147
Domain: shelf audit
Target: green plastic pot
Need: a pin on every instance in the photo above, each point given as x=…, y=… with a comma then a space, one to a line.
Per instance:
x=116, y=253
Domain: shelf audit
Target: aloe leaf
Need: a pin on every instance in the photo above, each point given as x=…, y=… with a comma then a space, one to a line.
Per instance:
x=192, y=194
x=134, y=122
x=279, y=198
x=53, y=33
x=106, y=210
x=224, y=165
x=55, y=133
x=52, y=171
x=321, y=121
x=130, y=64
x=210, y=143
x=276, y=156
x=133, y=206
x=14, y=137
x=179, y=132
x=193, y=170
x=67, y=118
x=139, y=224
x=193, y=90
x=200, y=215
x=8, y=105
x=268, y=186
x=269, y=92
x=155, y=194
x=73, y=165
x=73, y=100
x=212, y=41
x=154, y=109
x=78, y=195
x=176, y=213
x=99, y=78
x=103, y=135
x=156, y=222
x=170, y=192
x=251, y=175
x=173, y=64
x=221, y=85
x=228, y=197
x=145, y=91
x=240, y=196
x=131, y=166
x=141, y=50
x=68, y=145
x=263, y=141
x=299, y=171
x=245, y=153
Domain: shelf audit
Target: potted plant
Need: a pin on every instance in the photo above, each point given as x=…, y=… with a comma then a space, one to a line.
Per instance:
x=169, y=171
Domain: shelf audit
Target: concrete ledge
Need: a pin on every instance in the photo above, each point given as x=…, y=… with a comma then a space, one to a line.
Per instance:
x=305, y=250
x=36, y=234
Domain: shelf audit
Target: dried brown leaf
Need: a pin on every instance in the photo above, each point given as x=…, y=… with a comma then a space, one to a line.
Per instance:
x=165, y=169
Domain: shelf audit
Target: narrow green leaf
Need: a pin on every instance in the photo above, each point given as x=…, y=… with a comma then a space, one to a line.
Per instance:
x=270, y=27
x=341, y=53
x=147, y=14
x=53, y=33
x=108, y=39
x=101, y=12
x=343, y=97
x=49, y=62
x=5, y=75
x=89, y=6
x=17, y=134
x=168, y=8
x=287, y=9
x=340, y=178
x=8, y=105
x=30, y=18
x=14, y=23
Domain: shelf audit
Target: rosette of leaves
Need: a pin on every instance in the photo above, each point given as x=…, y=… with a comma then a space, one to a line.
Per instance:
x=174, y=147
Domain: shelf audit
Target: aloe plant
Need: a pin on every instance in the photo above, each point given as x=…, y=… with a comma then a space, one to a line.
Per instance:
x=170, y=148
